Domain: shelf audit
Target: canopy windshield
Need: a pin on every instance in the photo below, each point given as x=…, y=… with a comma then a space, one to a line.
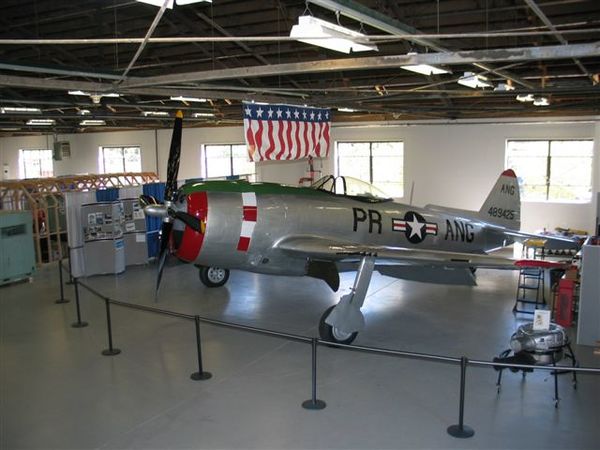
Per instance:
x=349, y=186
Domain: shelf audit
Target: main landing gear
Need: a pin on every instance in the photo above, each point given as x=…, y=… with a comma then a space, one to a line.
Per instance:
x=341, y=323
x=213, y=276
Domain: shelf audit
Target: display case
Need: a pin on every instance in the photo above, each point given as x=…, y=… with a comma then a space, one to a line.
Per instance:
x=134, y=232
x=103, y=246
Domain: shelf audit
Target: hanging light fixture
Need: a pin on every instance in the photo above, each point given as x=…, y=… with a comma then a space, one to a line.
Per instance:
x=41, y=122
x=311, y=30
x=159, y=3
x=424, y=69
x=92, y=122
x=474, y=81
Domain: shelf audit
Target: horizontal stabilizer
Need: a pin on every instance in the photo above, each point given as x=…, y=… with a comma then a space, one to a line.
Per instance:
x=438, y=275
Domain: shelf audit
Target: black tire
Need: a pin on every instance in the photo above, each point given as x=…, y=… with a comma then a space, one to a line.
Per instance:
x=331, y=334
x=213, y=276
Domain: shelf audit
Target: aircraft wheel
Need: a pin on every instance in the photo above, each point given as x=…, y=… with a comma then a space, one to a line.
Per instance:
x=213, y=276
x=332, y=334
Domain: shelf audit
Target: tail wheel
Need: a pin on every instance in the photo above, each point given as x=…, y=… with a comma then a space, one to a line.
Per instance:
x=213, y=276
x=332, y=334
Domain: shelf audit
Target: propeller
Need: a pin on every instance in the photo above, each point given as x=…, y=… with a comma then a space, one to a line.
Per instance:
x=165, y=210
x=170, y=190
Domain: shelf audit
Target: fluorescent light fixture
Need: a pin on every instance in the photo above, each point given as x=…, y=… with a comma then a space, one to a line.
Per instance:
x=159, y=3
x=91, y=94
x=311, y=30
x=84, y=112
x=474, y=81
x=9, y=129
x=92, y=122
x=203, y=114
x=504, y=87
x=43, y=122
x=541, y=101
x=525, y=97
x=181, y=98
x=19, y=109
x=423, y=69
x=155, y=113
x=349, y=110
x=189, y=2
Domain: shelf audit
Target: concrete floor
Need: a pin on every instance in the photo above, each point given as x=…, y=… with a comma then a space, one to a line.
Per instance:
x=59, y=392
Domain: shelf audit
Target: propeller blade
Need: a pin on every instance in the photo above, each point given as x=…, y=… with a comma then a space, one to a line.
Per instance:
x=146, y=200
x=167, y=226
x=193, y=222
x=174, y=155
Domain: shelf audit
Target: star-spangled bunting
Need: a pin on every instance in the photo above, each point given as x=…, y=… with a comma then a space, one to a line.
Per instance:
x=285, y=132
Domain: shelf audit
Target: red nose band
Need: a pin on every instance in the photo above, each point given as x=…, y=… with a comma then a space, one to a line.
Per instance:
x=191, y=243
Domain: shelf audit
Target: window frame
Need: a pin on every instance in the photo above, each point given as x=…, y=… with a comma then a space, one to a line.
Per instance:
x=548, y=173
x=370, y=142
x=23, y=166
x=205, y=159
x=102, y=161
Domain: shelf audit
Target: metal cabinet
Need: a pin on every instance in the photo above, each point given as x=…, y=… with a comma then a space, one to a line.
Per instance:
x=17, y=256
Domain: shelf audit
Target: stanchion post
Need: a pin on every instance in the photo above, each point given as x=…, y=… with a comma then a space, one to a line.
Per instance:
x=79, y=323
x=62, y=298
x=71, y=281
x=110, y=351
x=201, y=374
x=313, y=402
x=461, y=430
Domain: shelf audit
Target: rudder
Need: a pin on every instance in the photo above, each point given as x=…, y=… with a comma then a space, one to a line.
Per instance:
x=503, y=204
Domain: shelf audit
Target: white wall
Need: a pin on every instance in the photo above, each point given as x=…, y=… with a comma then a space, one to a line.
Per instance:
x=451, y=164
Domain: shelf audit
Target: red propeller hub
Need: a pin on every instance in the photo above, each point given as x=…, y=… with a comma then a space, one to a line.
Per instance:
x=191, y=243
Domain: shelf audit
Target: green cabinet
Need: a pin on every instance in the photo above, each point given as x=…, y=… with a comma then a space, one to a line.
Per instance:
x=17, y=257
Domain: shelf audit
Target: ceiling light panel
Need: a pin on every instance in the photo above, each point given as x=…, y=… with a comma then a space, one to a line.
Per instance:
x=474, y=81
x=329, y=35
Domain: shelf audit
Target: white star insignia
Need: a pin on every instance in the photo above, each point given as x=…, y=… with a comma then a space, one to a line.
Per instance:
x=319, y=116
x=288, y=114
x=415, y=227
x=259, y=112
x=304, y=114
x=248, y=111
x=296, y=114
x=312, y=115
x=279, y=113
x=270, y=113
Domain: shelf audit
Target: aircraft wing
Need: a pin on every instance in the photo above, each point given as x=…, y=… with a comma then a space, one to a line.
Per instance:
x=315, y=247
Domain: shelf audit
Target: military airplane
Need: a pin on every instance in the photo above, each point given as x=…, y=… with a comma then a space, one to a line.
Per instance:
x=312, y=231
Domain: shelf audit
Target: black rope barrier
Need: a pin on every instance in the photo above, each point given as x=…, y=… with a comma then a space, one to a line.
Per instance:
x=314, y=403
x=110, y=351
x=459, y=430
x=79, y=323
x=70, y=281
x=62, y=298
x=201, y=374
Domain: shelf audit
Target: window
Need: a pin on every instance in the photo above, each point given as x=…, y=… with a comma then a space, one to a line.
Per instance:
x=557, y=171
x=35, y=163
x=120, y=159
x=379, y=163
x=227, y=160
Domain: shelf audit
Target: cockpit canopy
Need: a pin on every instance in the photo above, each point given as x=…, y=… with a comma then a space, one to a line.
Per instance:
x=351, y=187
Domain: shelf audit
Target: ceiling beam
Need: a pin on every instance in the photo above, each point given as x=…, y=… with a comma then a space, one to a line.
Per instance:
x=559, y=37
x=378, y=62
x=361, y=13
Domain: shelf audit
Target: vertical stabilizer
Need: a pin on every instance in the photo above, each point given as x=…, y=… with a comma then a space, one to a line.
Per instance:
x=503, y=204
